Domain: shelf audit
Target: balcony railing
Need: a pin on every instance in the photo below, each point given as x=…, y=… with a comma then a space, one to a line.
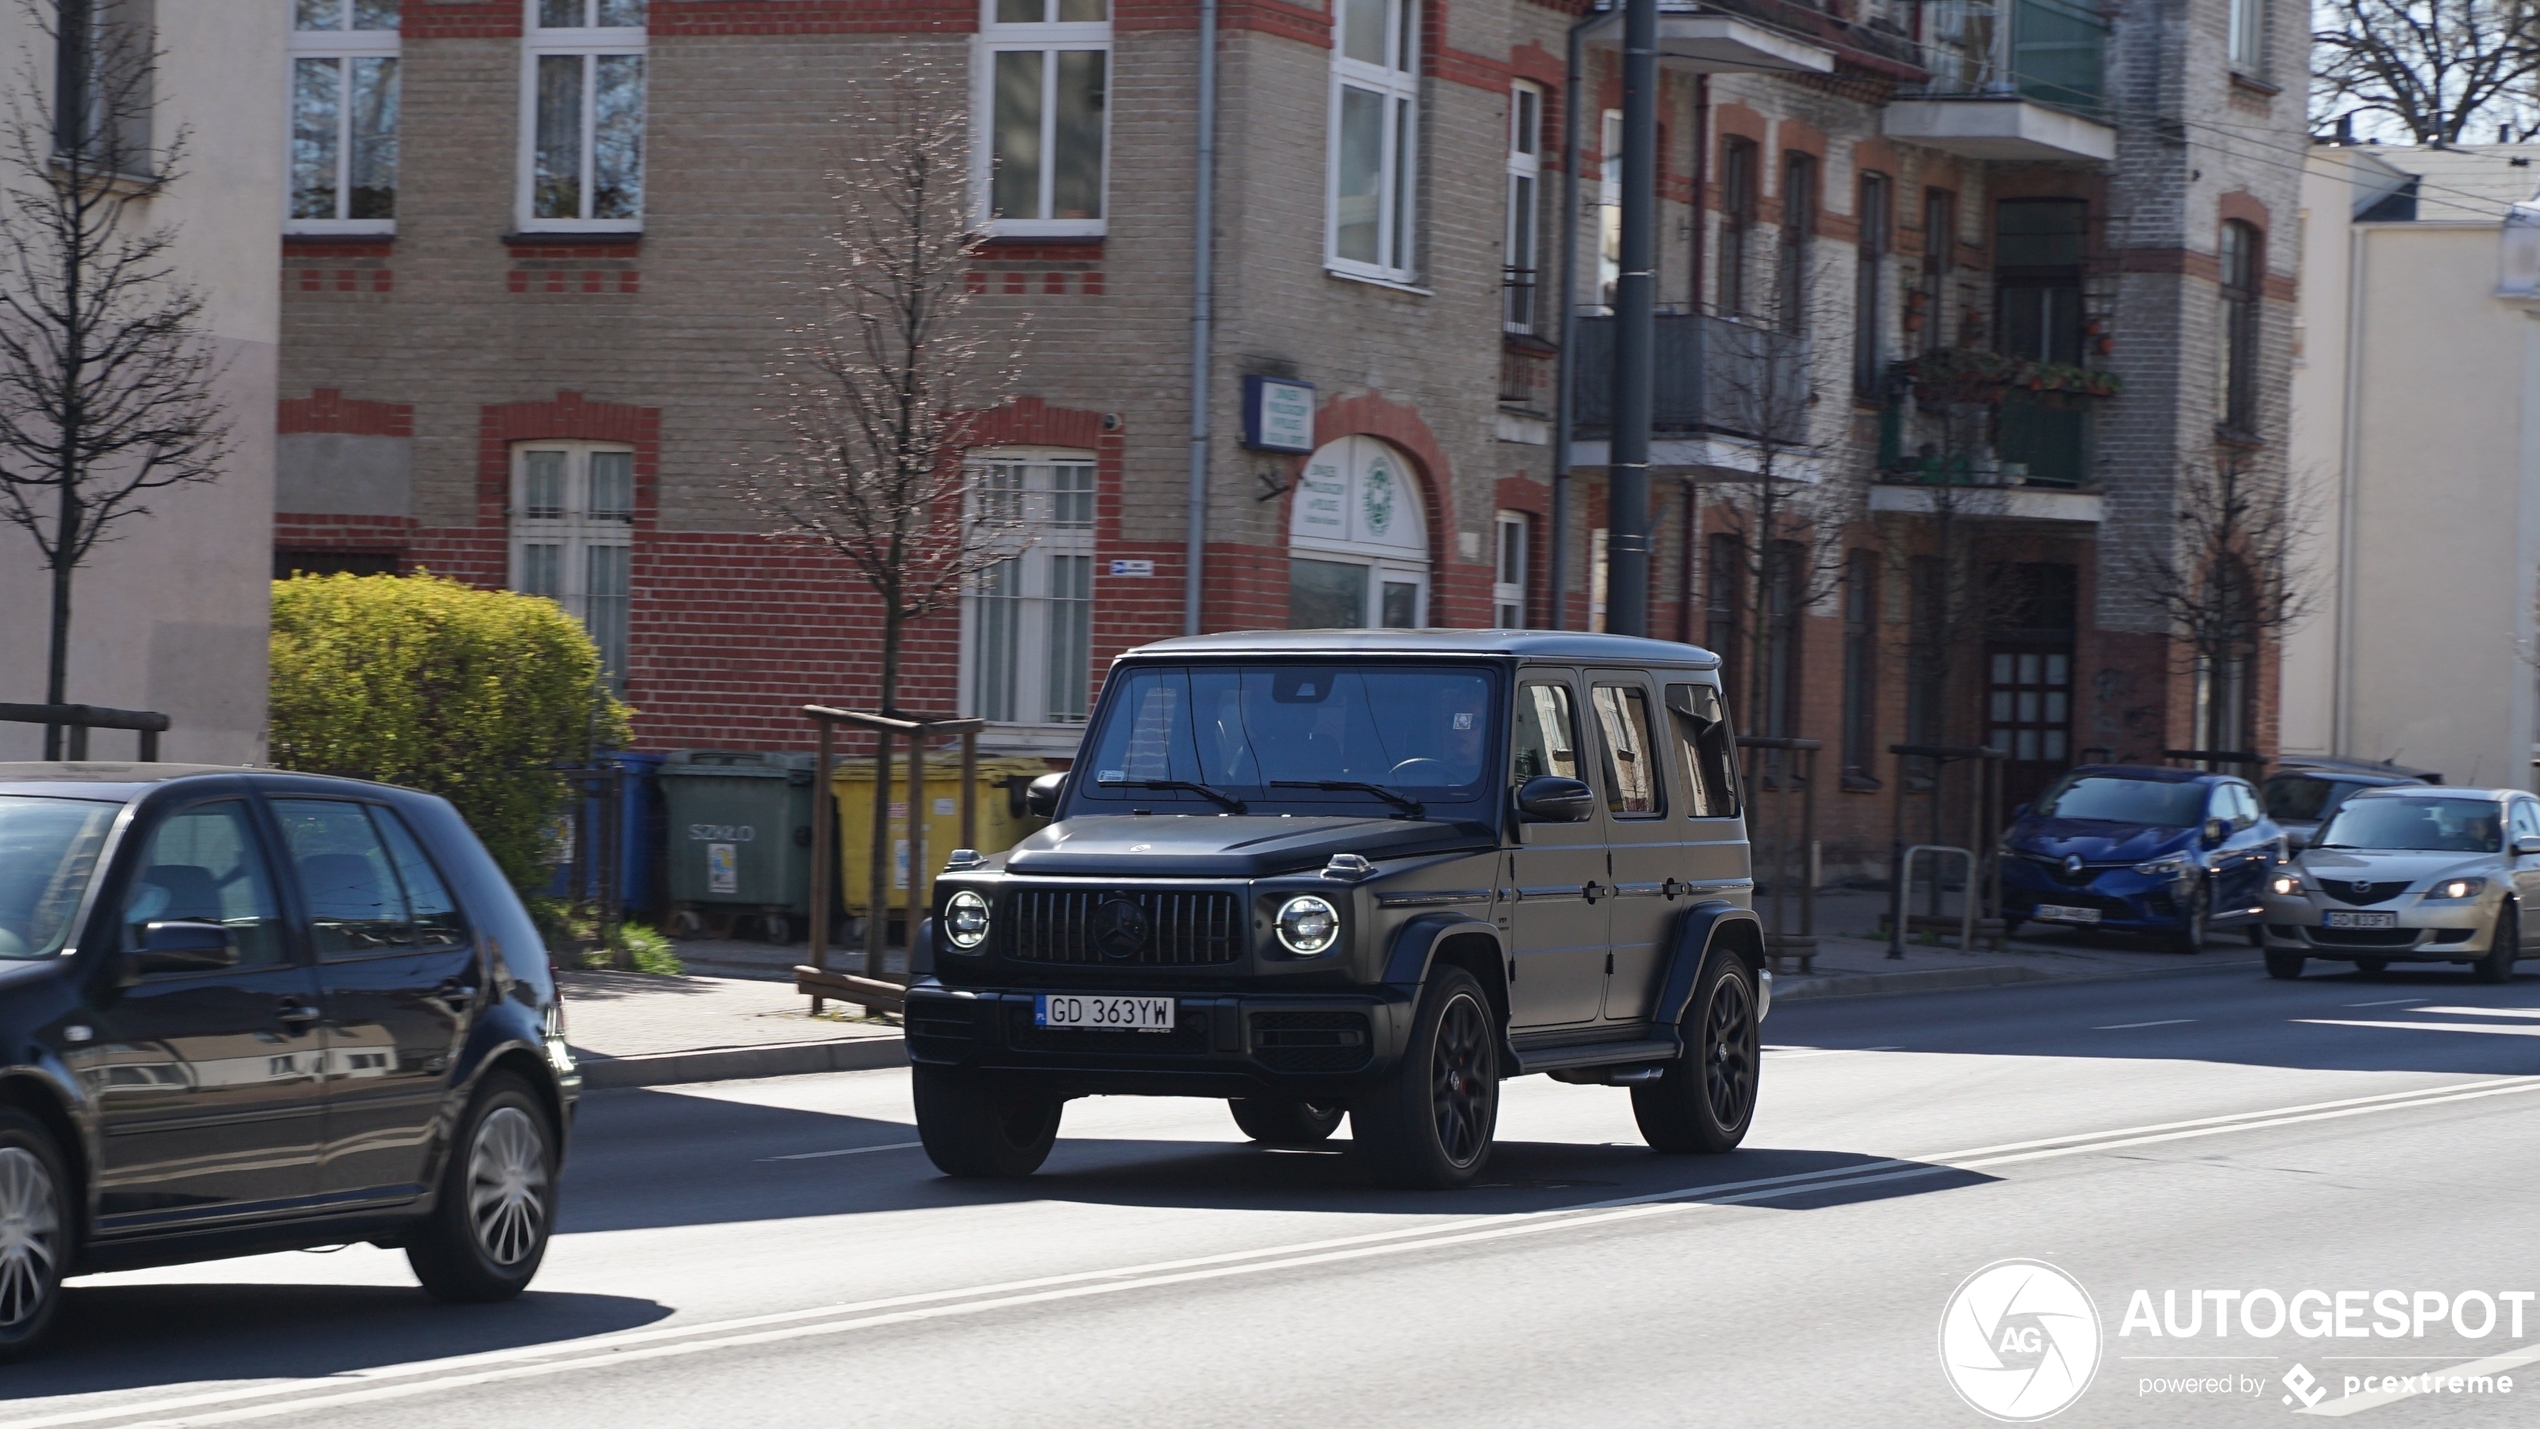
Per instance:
x=2038, y=441
x=1709, y=374
x=2050, y=51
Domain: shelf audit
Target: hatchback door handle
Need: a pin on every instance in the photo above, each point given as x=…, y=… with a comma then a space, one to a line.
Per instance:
x=296, y=1015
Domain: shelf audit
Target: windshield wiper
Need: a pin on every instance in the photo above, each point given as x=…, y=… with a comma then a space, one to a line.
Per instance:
x=1224, y=800
x=1399, y=800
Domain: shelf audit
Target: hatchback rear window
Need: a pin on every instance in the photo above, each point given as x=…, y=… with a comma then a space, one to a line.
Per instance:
x=48, y=849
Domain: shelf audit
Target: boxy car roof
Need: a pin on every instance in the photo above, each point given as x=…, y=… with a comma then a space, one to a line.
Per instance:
x=1580, y=647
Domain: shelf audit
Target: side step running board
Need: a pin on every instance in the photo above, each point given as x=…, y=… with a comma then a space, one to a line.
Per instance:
x=1595, y=1054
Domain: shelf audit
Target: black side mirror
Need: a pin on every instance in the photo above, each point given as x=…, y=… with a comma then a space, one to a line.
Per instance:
x=2216, y=830
x=1551, y=799
x=185, y=946
x=1040, y=797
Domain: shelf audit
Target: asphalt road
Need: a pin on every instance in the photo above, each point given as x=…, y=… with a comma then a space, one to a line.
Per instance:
x=778, y=1251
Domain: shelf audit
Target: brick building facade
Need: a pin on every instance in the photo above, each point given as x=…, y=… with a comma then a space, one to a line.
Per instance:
x=568, y=258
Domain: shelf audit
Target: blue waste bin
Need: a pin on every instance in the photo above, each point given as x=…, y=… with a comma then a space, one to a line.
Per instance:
x=639, y=838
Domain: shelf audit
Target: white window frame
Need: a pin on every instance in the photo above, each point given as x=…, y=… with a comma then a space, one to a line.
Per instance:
x=591, y=41
x=1031, y=722
x=2247, y=50
x=1511, y=550
x=574, y=532
x=342, y=45
x=1398, y=182
x=1609, y=206
x=1523, y=250
x=1050, y=38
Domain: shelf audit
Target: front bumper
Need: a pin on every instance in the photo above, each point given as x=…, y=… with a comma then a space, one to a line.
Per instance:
x=2124, y=899
x=1297, y=1046
x=2453, y=931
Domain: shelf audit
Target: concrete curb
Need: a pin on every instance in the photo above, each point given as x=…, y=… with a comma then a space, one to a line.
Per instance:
x=1809, y=989
x=722, y=1064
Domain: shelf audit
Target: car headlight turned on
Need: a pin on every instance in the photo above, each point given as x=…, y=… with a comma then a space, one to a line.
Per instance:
x=965, y=919
x=2174, y=866
x=1308, y=925
x=2452, y=890
x=2284, y=885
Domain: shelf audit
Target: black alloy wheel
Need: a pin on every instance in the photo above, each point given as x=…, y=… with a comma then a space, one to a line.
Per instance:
x=1429, y=1124
x=2504, y=944
x=1285, y=1123
x=35, y=1233
x=1705, y=1101
x=979, y=1126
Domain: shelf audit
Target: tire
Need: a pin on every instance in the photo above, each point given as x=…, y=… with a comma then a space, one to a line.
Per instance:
x=2504, y=944
x=489, y=1228
x=1706, y=1100
x=686, y=924
x=2285, y=966
x=37, y=1233
x=1428, y=1126
x=2190, y=938
x=2257, y=935
x=1284, y=1123
x=976, y=1126
x=2372, y=967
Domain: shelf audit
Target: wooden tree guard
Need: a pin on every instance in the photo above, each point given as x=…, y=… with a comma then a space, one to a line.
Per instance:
x=876, y=989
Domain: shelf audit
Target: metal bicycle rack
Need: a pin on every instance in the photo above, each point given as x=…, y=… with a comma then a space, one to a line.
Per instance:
x=1900, y=896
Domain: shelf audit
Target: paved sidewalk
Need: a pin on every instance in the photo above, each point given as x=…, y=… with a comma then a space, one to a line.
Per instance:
x=1852, y=956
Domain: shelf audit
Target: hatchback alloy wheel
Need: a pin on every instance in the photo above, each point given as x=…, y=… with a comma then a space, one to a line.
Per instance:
x=30, y=1236
x=507, y=1186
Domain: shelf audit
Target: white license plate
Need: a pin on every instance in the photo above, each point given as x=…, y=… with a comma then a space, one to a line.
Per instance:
x=2059, y=913
x=2359, y=920
x=1103, y=1014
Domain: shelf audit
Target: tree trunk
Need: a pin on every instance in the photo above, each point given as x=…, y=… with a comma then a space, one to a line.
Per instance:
x=877, y=915
x=58, y=657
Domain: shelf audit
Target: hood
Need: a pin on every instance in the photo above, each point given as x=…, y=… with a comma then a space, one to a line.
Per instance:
x=2372, y=866
x=1225, y=846
x=2097, y=840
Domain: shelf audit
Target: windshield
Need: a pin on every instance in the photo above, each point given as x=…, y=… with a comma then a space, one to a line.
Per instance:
x=2423, y=825
x=48, y=847
x=1217, y=736
x=2161, y=803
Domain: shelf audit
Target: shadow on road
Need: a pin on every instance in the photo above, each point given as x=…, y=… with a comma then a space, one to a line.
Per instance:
x=118, y=1337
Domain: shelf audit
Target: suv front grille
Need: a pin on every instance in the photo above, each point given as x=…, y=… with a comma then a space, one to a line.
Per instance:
x=1081, y=928
x=2369, y=894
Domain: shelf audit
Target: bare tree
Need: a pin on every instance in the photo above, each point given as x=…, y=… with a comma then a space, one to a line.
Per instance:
x=2438, y=70
x=888, y=360
x=2233, y=578
x=106, y=379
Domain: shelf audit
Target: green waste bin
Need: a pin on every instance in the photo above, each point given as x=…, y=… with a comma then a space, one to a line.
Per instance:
x=740, y=841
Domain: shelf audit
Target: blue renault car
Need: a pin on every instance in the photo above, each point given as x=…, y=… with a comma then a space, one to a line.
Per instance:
x=2172, y=853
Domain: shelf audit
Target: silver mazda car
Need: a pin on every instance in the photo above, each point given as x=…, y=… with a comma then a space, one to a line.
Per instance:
x=2411, y=874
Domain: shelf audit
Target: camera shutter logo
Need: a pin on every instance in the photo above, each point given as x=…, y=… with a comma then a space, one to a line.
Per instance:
x=2020, y=1341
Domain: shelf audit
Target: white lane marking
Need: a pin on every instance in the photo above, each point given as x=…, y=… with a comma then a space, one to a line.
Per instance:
x=1793, y=1054
x=2358, y=1403
x=2391, y=1002
x=2130, y=1026
x=2488, y=1027
x=2484, y=1011
x=849, y=1151
x=630, y=1346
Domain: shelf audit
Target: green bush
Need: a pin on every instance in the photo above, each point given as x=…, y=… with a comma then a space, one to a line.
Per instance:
x=470, y=694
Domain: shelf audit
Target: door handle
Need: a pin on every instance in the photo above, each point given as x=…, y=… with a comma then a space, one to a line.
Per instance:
x=296, y=1015
x=1591, y=890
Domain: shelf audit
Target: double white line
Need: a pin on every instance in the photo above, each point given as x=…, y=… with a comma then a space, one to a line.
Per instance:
x=371, y=1386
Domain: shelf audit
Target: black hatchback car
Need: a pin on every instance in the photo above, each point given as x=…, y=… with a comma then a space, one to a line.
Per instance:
x=244, y=1011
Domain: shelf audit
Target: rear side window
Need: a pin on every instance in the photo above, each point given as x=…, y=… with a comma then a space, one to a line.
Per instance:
x=369, y=887
x=1707, y=748
x=1547, y=734
x=1632, y=779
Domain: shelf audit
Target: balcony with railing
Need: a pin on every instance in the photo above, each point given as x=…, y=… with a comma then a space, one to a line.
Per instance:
x=1723, y=394
x=2011, y=80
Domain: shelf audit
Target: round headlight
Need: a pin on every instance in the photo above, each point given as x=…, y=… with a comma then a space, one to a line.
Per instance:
x=2285, y=885
x=965, y=919
x=1308, y=925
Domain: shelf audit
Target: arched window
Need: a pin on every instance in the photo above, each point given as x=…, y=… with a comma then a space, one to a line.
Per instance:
x=2236, y=403
x=1358, y=545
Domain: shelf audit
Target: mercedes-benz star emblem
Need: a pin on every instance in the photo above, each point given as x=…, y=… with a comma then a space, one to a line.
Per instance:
x=2072, y=865
x=1120, y=928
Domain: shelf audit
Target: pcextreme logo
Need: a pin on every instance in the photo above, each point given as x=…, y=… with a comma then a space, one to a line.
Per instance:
x=2020, y=1341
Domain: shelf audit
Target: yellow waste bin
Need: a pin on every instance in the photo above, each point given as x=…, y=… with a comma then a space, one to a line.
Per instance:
x=1002, y=821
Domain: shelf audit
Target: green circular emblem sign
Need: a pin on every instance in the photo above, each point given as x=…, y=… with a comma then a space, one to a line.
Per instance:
x=1376, y=497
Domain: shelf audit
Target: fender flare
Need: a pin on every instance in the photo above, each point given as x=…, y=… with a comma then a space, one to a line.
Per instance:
x=1698, y=930
x=1415, y=945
